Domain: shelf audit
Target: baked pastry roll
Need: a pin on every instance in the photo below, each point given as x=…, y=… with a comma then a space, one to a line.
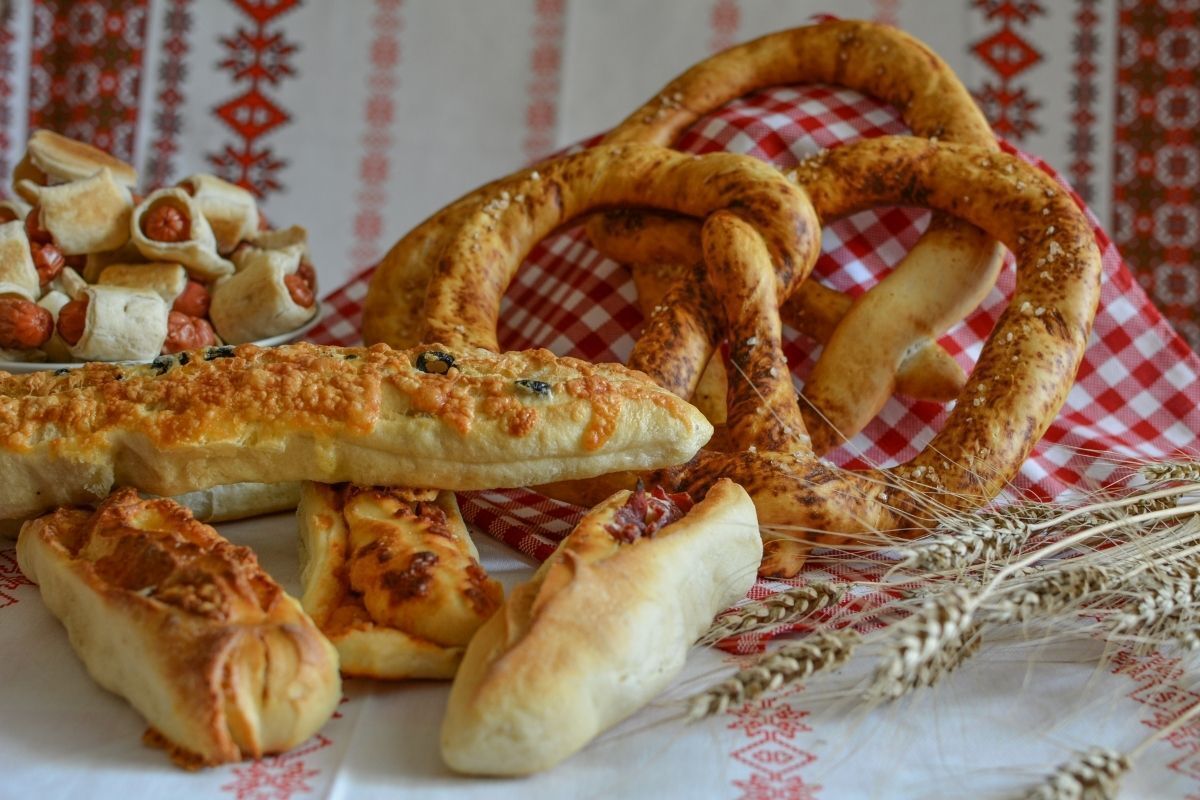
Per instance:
x=121, y=325
x=392, y=577
x=293, y=240
x=461, y=420
x=13, y=209
x=165, y=280
x=51, y=158
x=602, y=627
x=241, y=500
x=86, y=215
x=169, y=226
x=230, y=210
x=185, y=626
x=266, y=297
x=95, y=263
x=56, y=349
x=18, y=275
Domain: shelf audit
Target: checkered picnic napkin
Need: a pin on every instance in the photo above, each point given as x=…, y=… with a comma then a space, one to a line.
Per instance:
x=1136, y=394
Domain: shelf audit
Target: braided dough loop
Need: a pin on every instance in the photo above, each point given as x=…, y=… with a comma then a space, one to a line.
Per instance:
x=1024, y=371
x=896, y=68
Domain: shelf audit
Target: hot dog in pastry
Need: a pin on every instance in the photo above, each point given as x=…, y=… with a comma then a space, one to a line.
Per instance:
x=462, y=420
x=165, y=280
x=51, y=158
x=185, y=626
x=230, y=210
x=84, y=216
x=168, y=226
x=266, y=297
x=18, y=275
x=118, y=324
x=603, y=626
x=392, y=577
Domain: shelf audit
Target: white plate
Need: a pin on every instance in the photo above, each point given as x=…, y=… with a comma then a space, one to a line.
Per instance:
x=22, y=367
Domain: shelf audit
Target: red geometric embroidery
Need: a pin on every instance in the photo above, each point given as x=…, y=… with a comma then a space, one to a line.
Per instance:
x=379, y=114
x=1156, y=155
x=171, y=71
x=84, y=80
x=1156, y=675
x=260, y=58
x=724, y=21
x=278, y=777
x=7, y=65
x=771, y=724
x=1084, y=94
x=545, y=64
x=1010, y=108
x=11, y=578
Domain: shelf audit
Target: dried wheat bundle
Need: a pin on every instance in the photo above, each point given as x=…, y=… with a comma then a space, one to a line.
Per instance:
x=777, y=609
x=1092, y=775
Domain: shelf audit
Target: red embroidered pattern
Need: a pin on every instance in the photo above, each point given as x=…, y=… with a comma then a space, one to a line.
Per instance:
x=169, y=98
x=259, y=57
x=771, y=725
x=1156, y=156
x=7, y=64
x=1158, y=677
x=379, y=114
x=725, y=19
x=11, y=578
x=280, y=777
x=545, y=64
x=1008, y=106
x=1084, y=93
x=85, y=70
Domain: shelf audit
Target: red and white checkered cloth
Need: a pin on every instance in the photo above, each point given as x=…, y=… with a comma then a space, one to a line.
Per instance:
x=1136, y=395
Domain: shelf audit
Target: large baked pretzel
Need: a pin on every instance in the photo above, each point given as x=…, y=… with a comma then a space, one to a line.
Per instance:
x=1020, y=381
x=879, y=345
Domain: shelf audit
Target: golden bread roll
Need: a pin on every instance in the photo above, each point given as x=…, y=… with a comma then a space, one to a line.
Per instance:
x=392, y=577
x=185, y=626
x=602, y=627
x=424, y=417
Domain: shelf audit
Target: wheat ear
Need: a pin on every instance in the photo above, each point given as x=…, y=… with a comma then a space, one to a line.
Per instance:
x=1049, y=593
x=986, y=537
x=1091, y=775
x=775, y=610
x=788, y=664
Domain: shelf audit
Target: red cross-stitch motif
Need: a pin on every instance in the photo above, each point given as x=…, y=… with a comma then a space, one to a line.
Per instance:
x=1007, y=53
x=11, y=578
x=281, y=777
x=171, y=73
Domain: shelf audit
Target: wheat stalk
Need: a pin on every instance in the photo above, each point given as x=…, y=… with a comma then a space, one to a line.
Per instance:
x=988, y=537
x=786, y=665
x=1091, y=775
x=775, y=610
x=1051, y=592
x=1171, y=471
x=928, y=645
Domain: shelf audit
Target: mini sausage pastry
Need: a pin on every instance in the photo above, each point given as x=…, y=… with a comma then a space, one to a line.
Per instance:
x=425, y=417
x=55, y=348
x=118, y=324
x=24, y=325
x=13, y=209
x=602, y=627
x=18, y=275
x=185, y=626
x=230, y=210
x=169, y=226
x=392, y=577
x=268, y=295
x=51, y=158
x=289, y=240
x=84, y=216
x=168, y=281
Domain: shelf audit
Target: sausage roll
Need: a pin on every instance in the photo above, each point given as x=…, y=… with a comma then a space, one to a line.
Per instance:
x=165, y=280
x=424, y=417
x=120, y=325
x=267, y=296
x=18, y=275
x=13, y=209
x=289, y=240
x=185, y=626
x=55, y=348
x=86, y=215
x=230, y=210
x=51, y=158
x=603, y=626
x=97, y=262
x=168, y=226
x=392, y=577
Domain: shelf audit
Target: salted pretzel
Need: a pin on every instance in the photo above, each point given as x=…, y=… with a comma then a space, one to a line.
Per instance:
x=876, y=348
x=1020, y=381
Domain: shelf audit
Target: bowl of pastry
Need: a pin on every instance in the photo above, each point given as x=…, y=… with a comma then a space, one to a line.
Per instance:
x=90, y=270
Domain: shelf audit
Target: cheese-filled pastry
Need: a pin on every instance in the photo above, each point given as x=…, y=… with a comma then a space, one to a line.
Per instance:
x=84, y=216
x=426, y=417
x=51, y=158
x=602, y=627
x=185, y=626
x=268, y=295
x=169, y=226
x=112, y=323
x=392, y=577
x=165, y=280
x=230, y=210
x=18, y=275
